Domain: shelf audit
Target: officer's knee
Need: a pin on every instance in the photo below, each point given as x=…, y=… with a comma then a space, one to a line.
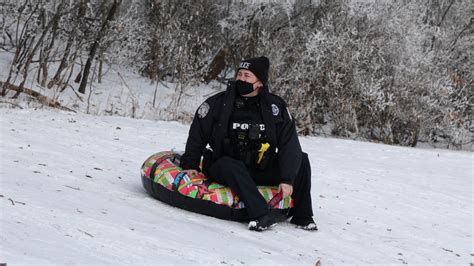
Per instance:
x=225, y=165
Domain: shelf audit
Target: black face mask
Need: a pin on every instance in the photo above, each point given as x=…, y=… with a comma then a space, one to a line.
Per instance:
x=243, y=87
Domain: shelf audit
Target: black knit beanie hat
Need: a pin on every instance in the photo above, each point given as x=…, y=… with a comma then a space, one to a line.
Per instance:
x=258, y=66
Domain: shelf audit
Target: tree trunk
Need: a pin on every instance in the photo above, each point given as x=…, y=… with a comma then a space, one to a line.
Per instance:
x=47, y=52
x=95, y=45
x=217, y=64
x=101, y=62
x=19, y=43
x=66, y=83
x=42, y=18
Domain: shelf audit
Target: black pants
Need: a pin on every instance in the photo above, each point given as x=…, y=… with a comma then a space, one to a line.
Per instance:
x=244, y=181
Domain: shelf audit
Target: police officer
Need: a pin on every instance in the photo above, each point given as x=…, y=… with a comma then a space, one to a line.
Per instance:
x=251, y=140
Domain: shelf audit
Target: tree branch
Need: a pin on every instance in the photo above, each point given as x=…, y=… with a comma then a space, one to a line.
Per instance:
x=40, y=97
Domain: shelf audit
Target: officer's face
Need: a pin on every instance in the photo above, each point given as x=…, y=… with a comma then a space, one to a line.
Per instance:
x=248, y=76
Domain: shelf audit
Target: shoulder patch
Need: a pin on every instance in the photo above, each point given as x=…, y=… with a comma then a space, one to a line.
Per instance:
x=203, y=110
x=275, y=109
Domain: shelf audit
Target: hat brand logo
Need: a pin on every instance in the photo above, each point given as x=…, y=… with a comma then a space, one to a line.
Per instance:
x=245, y=65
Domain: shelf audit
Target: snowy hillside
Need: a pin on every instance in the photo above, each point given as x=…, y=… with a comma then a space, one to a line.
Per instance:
x=70, y=192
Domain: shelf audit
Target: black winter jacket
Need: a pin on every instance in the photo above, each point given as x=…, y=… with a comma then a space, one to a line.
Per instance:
x=211, y=126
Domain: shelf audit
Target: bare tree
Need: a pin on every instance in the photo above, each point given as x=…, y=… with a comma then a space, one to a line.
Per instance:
x=95, y=45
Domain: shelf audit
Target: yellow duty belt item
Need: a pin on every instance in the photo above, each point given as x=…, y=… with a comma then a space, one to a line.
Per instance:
x=262, y=151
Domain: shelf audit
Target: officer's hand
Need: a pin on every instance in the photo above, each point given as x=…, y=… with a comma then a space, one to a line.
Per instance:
x=191, y=172
x=285, y=189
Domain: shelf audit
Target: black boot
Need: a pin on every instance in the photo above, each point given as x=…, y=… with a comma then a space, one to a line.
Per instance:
x=307, y=224
x=261, y=224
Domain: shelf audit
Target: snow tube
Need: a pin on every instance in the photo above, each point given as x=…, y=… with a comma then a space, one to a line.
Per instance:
x=164, y=180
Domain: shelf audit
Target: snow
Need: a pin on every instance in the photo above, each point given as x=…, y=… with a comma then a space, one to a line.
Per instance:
x=71, y=192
